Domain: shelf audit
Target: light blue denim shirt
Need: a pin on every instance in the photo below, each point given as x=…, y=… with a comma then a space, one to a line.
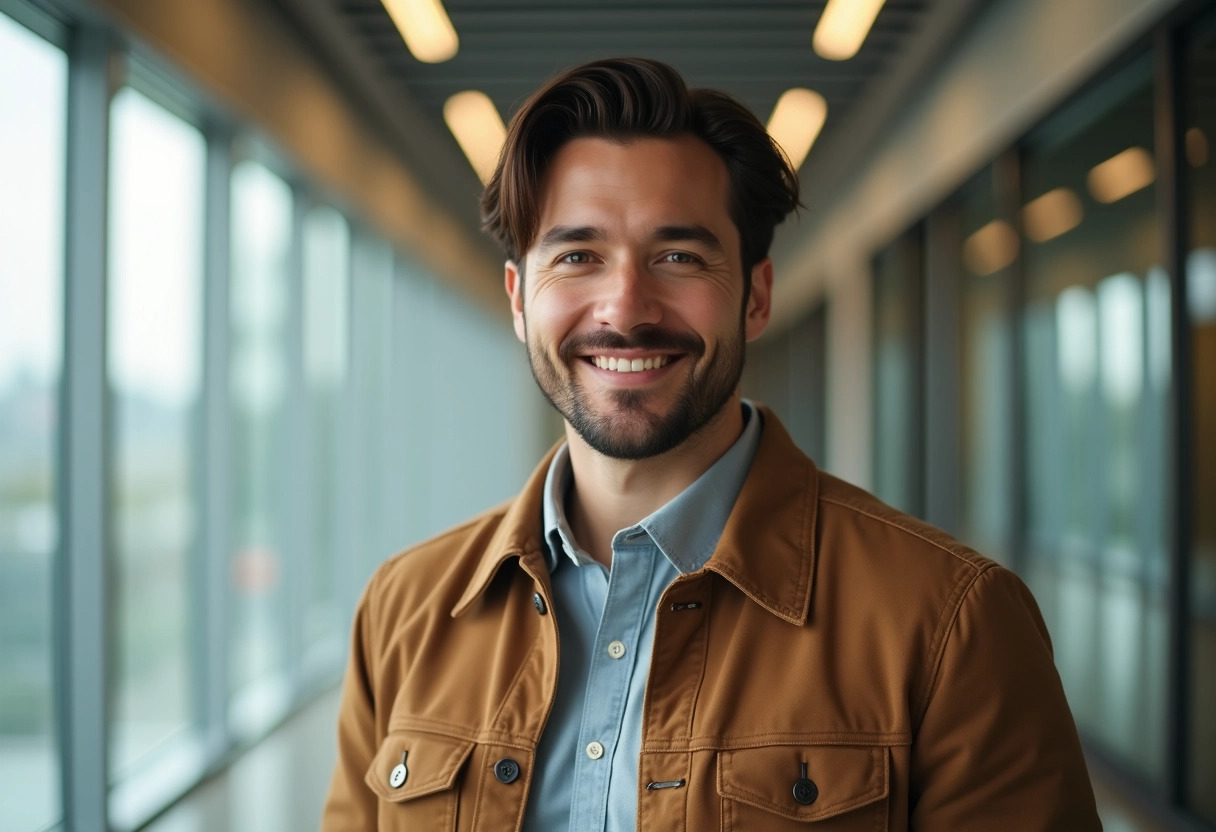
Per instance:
x=587, y=762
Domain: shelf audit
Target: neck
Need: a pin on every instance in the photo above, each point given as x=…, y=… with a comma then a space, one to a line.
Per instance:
x=612, y=494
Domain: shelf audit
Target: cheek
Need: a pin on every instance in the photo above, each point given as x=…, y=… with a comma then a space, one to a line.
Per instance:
x=711, y=315
x=550, y=318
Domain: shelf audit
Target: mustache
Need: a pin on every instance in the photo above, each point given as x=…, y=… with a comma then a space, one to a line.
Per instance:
x=651, y=338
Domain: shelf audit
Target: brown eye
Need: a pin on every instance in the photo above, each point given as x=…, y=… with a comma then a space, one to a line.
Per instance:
x=680, y=257
x=576, y=258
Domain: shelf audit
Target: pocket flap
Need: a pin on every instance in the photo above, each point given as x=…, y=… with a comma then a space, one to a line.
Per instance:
x=846, y=776
x=432, y=762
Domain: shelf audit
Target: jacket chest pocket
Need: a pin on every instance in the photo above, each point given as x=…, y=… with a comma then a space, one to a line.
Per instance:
x=817, y=788
x=415, y=776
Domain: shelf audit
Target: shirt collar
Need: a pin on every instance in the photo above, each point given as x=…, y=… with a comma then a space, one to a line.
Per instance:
x=686, y=529
x=767, y=549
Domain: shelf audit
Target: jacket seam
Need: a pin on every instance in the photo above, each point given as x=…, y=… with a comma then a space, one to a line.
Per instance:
x=937, y=648
x=887, y=521
x=712, y=743
x=451, y=730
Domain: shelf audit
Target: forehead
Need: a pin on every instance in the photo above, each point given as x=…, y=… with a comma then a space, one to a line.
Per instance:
x=638, y=184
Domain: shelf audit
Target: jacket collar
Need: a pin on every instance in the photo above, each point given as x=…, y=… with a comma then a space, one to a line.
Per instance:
x=767, y=549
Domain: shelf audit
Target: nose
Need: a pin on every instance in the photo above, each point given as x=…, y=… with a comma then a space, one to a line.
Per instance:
x=628, y=298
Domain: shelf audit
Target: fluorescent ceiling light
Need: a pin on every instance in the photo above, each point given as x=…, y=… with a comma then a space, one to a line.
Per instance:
x=990, y=249
x=843, y=27
x=796, y=122
x=1122, y=175
x=477, y=126
x=425, y=27
x=1052, y=214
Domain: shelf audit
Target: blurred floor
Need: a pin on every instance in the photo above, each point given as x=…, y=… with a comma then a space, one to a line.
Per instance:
x=277, y=786
x=280, y=785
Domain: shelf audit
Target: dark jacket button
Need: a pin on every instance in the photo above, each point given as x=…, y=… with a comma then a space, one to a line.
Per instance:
x=805, y=791
x=539, y=603
x=506, y=769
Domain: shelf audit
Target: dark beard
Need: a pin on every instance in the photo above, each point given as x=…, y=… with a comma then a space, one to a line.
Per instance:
x=617, y=434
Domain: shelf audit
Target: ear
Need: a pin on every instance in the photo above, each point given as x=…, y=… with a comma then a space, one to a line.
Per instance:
x=515, y=291
x=759, y=301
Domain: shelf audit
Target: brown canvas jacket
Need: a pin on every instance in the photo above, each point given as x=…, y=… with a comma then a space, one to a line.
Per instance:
x=912, y=677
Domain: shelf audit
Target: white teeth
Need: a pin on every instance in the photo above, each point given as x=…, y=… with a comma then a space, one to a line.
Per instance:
x=625, y=365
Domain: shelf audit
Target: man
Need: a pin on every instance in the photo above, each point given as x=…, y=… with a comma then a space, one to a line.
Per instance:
x=681, y=623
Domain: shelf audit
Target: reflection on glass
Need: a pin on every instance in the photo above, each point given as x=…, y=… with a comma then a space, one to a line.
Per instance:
x=898, y=308
x=155, y=364
x=33, y=80
x=1201, y=298
x=1096, y=335
x=326, y=314
x=985, y=359
x=261, y=241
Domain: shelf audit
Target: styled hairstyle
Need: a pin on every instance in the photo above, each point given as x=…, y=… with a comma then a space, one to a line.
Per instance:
x=627, y=98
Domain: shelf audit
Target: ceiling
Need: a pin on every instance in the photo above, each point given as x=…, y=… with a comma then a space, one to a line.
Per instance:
x=753, y=50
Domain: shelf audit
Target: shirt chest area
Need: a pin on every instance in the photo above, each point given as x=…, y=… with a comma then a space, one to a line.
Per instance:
x=723, y=715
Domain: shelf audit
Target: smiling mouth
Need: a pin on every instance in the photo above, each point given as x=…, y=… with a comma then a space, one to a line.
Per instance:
x=630, y=365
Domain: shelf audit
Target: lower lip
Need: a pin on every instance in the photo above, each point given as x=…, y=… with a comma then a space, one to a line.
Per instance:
x=636, y=377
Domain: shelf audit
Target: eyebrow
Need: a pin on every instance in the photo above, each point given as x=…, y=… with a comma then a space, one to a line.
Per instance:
x=561, y=234
x=687, y=233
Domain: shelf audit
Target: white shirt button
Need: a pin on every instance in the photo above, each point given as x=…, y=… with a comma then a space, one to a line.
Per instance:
x=616, y=649
x=595, y=750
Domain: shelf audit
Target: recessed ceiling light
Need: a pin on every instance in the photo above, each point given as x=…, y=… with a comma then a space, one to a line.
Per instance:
x=478, y=128
x=843, y=28
x=425, y=27
x=796, y=122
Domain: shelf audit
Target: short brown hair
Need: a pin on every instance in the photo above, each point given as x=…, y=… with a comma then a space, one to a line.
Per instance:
x=626, y=98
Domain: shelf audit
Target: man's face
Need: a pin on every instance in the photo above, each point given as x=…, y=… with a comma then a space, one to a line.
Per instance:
x=636, y=264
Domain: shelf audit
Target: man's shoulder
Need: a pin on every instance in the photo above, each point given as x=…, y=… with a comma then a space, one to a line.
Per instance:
x=439, y=567
x=876, y=536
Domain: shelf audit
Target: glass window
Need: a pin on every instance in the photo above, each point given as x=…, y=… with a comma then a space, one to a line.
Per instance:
x=258, y=378
x=326, y=314
x=898, y=372
x=155, y=369
x=1201, y=294
x=33, y=89
x=1096, y=335
x=375, y=480
x=989, y=248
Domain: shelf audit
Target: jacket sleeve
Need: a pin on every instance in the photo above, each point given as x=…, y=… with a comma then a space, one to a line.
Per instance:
x=351, y=805
x=996, y=748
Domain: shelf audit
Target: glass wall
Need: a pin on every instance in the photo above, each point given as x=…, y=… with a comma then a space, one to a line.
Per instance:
x=1097, y=380
x=155, y=370
x=277, y=421
x=986, y=248
x=1200, y=134
x=326, y=310
x=898, y=372
x=1068, y=379
x=33, y=92
x=262, y=206
x=372, y=345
